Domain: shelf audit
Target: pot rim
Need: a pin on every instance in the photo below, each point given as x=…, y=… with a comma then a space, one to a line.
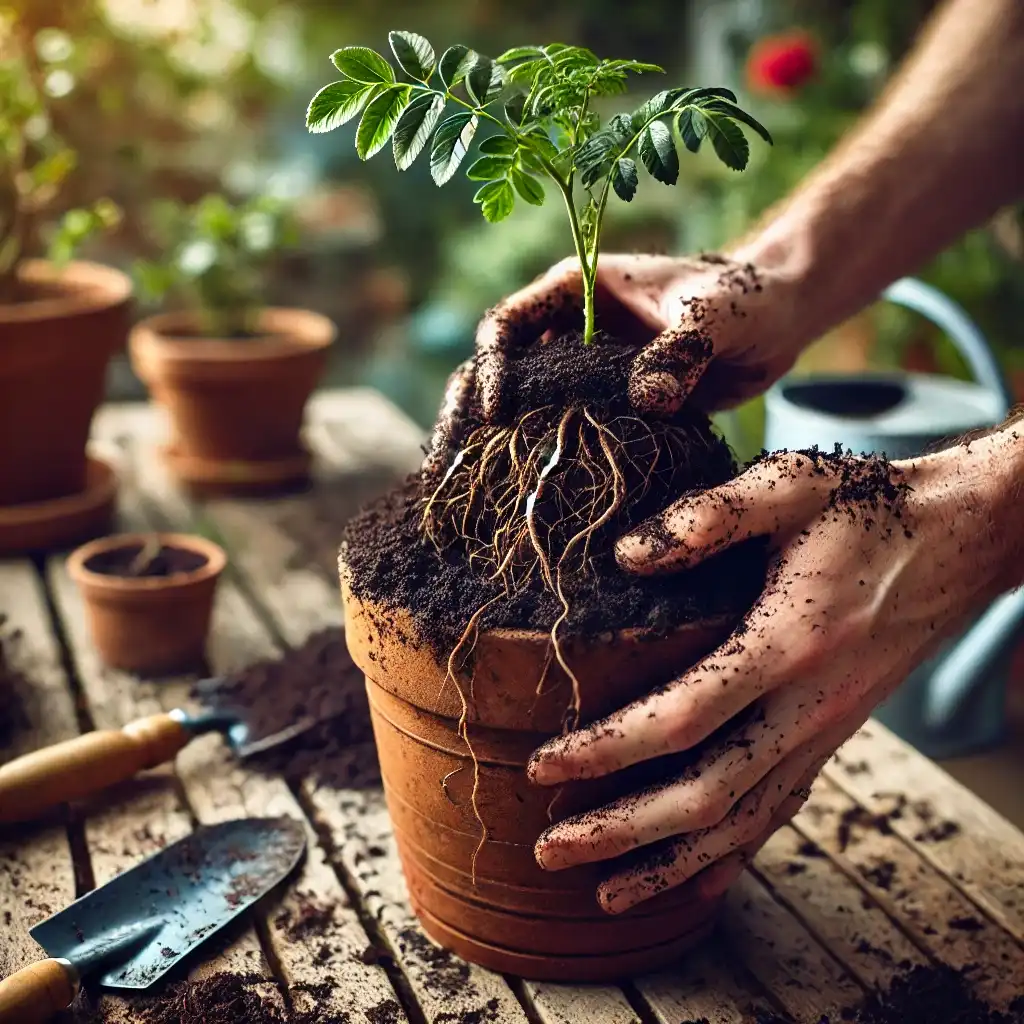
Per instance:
x=216, y=561
x=286, y=330
x=84, y=287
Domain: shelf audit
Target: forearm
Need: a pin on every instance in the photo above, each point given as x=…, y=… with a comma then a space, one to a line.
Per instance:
x=939, y=154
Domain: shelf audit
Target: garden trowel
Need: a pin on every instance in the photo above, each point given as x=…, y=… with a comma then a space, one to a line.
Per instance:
x=130, y=932
x=35, y=783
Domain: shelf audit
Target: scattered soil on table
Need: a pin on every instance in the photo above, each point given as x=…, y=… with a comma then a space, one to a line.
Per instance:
x=311, y=684
x=932, y=994
x=312, y=918
x=168, y=561
x=219, y=999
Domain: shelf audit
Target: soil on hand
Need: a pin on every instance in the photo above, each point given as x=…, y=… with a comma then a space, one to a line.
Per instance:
x=125, y=562
x=588, y=467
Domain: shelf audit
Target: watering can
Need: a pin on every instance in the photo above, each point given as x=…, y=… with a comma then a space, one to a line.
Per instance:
x=953, y=704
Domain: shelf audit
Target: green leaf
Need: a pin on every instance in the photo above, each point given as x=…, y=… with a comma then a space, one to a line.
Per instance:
x=484, y=81
x=528, y=187
x=498, y=145
x=658, y=152
x=496, y=200
x=525, y=73
x=455, y=64
x=624, y=179
x=728, y=139
x=451, y=142
x=362, y=64
x=337, y=103
x=654, y=107
x=414, y=127
x=379, y=120
x=519, y=52
x=705, y=93
x=692, y=128
x=414, y=53
x=489, y=167
x=738, y=114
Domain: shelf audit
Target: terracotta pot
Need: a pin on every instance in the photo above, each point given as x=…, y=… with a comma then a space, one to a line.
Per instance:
x=492, y=903
x=54, y=350
x=152, y=625
x=236, y=405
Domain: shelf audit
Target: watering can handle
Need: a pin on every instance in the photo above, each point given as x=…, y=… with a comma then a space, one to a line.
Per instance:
x=947, y=314
x=967, y=666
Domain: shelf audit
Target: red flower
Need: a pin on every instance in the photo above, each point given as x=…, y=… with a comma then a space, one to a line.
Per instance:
x=782, y=63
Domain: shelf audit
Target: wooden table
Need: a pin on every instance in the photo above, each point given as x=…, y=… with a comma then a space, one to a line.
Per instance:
x=891, y=861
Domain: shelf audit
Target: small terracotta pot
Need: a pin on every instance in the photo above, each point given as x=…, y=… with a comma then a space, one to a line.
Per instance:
x=54, y=350
x=492, y=903
x=236, y=406
x=152, y=625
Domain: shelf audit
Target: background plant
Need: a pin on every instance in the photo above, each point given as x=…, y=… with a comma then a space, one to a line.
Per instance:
x=35, y=163
x=541, y=99
x=215, y=259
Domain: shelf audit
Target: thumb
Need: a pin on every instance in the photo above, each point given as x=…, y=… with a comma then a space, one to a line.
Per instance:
x=775, y=497
x=665, y=371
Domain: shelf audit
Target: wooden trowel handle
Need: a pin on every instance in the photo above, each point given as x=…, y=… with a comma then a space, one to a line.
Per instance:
x=36, y=993
x=44, y=779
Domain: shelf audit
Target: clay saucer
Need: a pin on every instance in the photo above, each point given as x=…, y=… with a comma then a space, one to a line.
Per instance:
x=212, y=478
x=62, y=522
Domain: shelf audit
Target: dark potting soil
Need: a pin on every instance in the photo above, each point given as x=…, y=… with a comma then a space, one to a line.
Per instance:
x=219, y=999
x=392, y=562
x=316, y=682
x=167, y=562
x=925, y=994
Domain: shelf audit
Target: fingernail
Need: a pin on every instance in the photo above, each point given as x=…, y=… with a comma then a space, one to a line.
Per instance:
x=550, y=852
x=631, y=551
x=543, y=768
x=614, y=901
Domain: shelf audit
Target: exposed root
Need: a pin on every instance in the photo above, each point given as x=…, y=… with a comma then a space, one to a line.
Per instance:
x=536, y=500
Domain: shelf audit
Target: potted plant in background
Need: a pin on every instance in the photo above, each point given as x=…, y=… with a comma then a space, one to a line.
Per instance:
x=233, y=374
x=482, y=598
x=60, y=321
x=149, y=598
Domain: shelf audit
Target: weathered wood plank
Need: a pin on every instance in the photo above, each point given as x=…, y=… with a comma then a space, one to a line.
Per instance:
x=947, y=825
x=932, y=911
x=37, y=876
x=569, y=1004
x=853, y=928
x=706, y=985
x=780, y=952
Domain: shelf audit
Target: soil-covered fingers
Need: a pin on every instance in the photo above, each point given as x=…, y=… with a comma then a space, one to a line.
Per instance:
x=776, y=497
x=714, y=880
x=749, y=822
x=681, y=859
x=673, y=718
x=783, y=723
x=457, y=395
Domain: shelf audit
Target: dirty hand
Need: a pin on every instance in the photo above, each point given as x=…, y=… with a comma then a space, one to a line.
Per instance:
x=707, y=327
x=872, y=564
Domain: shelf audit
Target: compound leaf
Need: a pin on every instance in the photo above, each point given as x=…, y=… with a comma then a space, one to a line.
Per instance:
x=379, y=120
x=414, y=53
x=362, y=64
x=336, y=104
x=414, y=127
x=496, y=200
x=658, y=152
x=451, y=143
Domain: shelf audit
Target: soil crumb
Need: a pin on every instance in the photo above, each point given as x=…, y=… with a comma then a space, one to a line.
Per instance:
x=15, y=689
x=126, y=562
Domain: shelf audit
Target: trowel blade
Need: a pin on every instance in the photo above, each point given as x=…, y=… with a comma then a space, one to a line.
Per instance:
x=173, y=901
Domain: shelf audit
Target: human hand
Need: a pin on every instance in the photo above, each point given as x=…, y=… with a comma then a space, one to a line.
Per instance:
x=873, y=564
x=707, y=329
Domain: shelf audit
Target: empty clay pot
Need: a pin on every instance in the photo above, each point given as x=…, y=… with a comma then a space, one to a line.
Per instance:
x=149, y=624
x=491, y=902
x=236, y=405
x=55, y=348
